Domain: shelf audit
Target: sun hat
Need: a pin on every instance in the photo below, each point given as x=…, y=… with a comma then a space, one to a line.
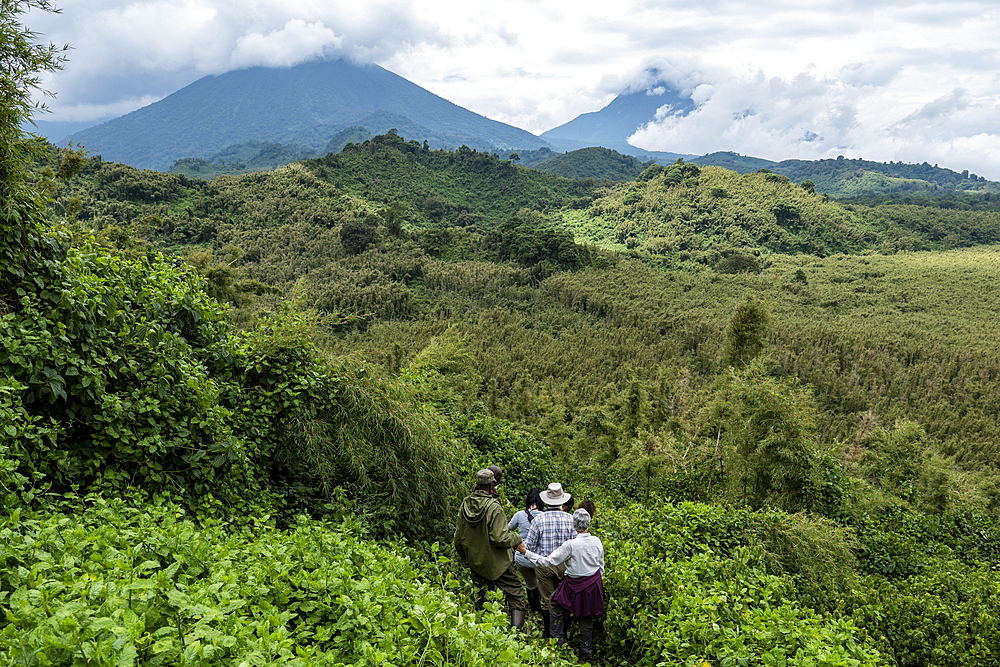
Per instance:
x=554, y=495
x=485, y=477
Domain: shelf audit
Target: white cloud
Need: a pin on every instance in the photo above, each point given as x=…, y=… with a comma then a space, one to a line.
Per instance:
x=295, y=42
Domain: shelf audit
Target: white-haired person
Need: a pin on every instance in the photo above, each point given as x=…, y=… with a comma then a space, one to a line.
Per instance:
x=582, y=591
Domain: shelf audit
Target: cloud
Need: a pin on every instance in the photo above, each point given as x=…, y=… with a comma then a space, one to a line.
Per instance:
x=957, y=100
x=296, y=42
x=811, y=117
x=762, y=115
x=146, y=49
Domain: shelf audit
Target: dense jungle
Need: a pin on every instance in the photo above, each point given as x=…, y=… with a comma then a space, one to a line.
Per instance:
x=237, y=416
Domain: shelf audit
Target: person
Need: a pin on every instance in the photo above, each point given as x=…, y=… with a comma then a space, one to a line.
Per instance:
x=521, y=521
x=484, y=544
x=498, y=477
x=582, y=591
x=548, y=531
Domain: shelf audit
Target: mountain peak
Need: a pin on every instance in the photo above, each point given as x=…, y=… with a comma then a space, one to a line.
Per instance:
x=615, y=123
x=306, y=104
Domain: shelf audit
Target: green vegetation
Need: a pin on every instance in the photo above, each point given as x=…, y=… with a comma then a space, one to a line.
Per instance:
x=237, y=416
x=598, y=163
x=862, y=179
x=242, y=159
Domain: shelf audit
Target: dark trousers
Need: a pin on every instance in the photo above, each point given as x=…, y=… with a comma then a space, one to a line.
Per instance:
x=548, y=579
x=584, y=623
x=508, y=583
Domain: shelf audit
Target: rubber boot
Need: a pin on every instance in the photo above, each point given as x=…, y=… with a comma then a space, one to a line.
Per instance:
x=517, y=618
x=558, y=622
x=534, y=599
x=546, y=625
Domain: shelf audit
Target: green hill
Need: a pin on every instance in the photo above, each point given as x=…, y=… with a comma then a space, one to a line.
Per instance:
x=852, y=178
x=597, y=163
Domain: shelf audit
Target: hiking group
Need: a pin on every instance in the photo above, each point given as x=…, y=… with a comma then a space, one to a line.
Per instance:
x=560, y=562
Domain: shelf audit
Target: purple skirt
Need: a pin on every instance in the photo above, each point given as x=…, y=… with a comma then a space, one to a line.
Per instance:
x=583, y=596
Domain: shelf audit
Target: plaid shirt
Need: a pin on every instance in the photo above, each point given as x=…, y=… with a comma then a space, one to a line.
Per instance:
x=548, y=532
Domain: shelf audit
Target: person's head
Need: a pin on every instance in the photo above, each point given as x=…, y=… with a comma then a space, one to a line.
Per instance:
x=554, y=496
x=497, y=474
x=534, y=500
x=568, y=505
x=581, y=520
x=589, y=506
x=485, y=481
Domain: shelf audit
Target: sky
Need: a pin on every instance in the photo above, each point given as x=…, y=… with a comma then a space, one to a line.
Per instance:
x=884, y=80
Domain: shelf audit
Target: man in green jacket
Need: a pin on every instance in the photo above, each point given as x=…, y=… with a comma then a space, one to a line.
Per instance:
x=485, y=544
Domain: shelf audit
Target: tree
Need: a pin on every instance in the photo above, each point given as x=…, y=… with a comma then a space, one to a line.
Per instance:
x=434, y=208
x=768, y=429
x=746, y=333
x=21, y=63
x=357, y=235
x=786, y=213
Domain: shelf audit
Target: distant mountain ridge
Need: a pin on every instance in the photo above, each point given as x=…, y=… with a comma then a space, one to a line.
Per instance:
x=306, y=104
x=847, y=177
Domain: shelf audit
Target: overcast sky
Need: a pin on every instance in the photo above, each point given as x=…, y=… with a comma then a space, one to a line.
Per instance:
x=880, y=79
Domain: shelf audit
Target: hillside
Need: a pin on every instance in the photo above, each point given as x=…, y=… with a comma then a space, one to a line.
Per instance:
x=827, y=465
x=305, y=104
x=598, y=163
x=851, y=178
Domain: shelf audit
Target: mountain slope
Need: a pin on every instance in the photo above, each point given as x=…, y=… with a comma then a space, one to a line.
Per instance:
x=306, y=104
x=615, y=123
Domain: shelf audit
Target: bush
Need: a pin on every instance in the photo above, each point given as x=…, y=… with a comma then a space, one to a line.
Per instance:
x=111, y=583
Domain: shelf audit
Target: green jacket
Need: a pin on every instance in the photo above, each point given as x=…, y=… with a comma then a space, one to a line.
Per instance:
x=481, y=535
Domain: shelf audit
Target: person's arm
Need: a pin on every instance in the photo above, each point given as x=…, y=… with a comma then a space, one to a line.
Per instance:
x=500, y=535
x=560, y=555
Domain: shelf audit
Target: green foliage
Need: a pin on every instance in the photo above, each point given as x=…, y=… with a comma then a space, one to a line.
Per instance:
x=694, y=583
x=117, y=357
x=768, y=428
x=357, y=235
x=315, y=426
x=526, y=462
x=527, y=241
x=111, y=584
x=597, y=163
x=746, y=333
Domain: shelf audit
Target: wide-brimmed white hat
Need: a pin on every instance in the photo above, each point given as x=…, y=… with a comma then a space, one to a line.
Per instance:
x=554, y=495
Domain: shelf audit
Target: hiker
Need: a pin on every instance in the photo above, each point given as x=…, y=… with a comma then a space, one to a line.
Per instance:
x=548, y=531
x=581, y=593
x=521, y=521
x=484, y=544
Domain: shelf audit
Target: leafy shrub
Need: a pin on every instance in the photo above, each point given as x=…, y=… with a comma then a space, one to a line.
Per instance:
x=111, y=583
x=117, y=356
x=314, y=426
x=526, y=462
x=696, y=583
